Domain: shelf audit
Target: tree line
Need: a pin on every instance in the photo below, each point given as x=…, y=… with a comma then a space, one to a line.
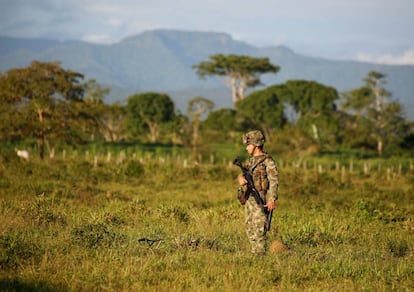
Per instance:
x=51, y=105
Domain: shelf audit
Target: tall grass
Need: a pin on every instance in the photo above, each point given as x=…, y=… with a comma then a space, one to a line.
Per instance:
x=147, y=223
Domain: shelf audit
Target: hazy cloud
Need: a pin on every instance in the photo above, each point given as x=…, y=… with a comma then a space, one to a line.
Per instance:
x=332, y=28
x=406, y=58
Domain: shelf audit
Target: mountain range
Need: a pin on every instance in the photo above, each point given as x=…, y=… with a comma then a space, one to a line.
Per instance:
x=162, y=60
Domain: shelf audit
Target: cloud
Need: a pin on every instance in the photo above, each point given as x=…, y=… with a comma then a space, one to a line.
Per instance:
x=98, y=38
x=335, y=29
x=406, y=58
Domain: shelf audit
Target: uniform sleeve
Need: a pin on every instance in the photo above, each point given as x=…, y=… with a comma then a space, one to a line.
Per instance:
x=273, y=177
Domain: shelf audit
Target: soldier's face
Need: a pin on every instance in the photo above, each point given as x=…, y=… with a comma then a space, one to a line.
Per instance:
x=250, y=149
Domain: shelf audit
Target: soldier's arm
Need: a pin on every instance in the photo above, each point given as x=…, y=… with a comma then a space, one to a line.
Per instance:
x=273, y=177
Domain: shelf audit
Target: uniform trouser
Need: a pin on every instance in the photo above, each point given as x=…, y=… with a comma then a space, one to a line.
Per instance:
x=256, y=221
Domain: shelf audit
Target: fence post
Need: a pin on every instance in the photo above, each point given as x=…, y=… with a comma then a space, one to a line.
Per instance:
x=343, y=174
x=366, y=168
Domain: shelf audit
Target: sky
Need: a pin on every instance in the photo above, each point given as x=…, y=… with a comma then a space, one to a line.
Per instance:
x=379, y=31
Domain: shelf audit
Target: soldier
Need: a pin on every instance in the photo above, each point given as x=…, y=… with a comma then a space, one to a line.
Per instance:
x=264, y=172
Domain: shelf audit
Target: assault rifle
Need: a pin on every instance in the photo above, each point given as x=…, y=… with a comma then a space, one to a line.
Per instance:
x=251, y=190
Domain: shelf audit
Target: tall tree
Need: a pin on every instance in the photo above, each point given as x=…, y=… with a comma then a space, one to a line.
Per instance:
x=372, y=106
x=242, y=71
x=149, y=111
x=94, y=95
x=197, y=108
x=46, y=100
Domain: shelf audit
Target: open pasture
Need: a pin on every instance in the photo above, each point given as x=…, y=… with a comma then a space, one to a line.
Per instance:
x=147, y=223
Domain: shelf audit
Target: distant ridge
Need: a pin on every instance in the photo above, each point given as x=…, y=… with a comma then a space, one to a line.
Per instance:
x=162, y=60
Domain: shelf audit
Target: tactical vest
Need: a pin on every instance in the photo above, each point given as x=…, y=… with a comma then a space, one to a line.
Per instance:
x=258, y=170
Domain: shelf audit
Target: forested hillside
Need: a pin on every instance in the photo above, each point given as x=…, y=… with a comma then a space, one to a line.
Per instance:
x=162, y=60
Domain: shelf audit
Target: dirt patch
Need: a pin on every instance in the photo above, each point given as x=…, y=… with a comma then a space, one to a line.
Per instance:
x=278, y=247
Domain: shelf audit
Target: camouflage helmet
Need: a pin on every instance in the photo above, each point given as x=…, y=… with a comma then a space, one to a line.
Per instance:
x=255, y=137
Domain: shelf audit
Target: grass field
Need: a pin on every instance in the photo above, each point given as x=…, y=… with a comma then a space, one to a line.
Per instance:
x=153, y=223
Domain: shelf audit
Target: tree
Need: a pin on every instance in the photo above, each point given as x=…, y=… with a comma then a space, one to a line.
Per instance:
x=312, y=107
x=375, y=111
x=94, y=92
x=355, y=125
x=197, y=107
x=94, y=101
x=45, y=101
x=262, y=109
x=148, y=111
x=109, y=119
x=111, y=122
x=243, y=71
x=307, y=97
x=223, y=125
x=178, y=129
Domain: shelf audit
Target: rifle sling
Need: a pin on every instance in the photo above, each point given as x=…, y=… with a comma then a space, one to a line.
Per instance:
x=251, y=173
x=257, y=163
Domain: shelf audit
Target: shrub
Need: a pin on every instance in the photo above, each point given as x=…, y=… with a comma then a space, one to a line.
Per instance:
x=398, y=248
x=96, y=235
x=41, y=211
x=134, y=169
x=18, y=249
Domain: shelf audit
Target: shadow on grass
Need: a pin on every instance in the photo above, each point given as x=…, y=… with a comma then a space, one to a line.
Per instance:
x=36, y=286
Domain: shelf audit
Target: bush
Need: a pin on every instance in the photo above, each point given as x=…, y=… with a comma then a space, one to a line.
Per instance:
x=398, y=248
x=97, y=235
x=134, y=169
x=18, y=249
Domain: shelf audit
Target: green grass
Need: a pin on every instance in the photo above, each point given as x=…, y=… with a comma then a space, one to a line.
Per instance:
x=75, y=225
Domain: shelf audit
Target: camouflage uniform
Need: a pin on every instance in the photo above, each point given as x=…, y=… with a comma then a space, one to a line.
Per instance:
x=265, y=176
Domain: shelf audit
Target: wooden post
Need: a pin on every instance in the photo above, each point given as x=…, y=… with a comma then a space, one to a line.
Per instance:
x=320, y=168
x=52, y=153
x=366, y=169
